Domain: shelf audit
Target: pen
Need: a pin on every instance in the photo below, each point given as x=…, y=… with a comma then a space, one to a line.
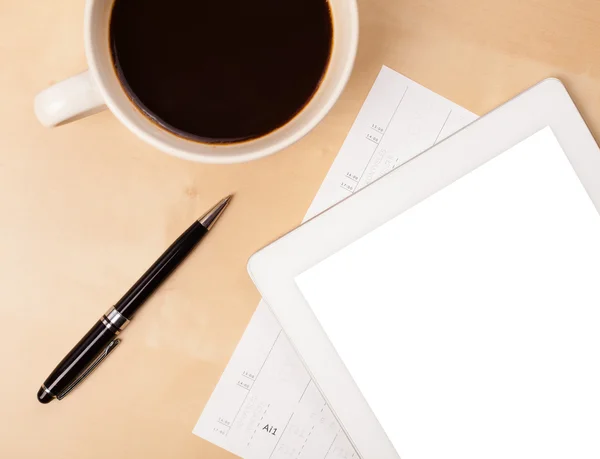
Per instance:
x=102, y=339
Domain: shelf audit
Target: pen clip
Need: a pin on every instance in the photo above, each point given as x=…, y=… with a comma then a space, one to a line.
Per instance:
x=92, y=366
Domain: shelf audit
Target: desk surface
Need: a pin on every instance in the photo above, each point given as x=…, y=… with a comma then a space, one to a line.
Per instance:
x=88, y=207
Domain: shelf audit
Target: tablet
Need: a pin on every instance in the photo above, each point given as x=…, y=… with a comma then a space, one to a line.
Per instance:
x=460, y=318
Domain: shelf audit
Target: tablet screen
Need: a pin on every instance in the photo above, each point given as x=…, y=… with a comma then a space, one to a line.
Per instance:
x=471, y=322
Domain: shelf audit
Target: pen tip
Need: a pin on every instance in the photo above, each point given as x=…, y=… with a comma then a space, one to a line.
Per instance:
x=210, y=218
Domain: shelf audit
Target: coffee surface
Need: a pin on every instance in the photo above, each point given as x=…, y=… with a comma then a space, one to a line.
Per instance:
x=221, y=71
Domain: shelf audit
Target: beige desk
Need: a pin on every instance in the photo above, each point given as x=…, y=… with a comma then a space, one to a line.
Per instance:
x=86, y=208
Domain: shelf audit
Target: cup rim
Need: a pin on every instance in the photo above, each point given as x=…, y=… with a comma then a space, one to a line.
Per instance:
x=219, y=158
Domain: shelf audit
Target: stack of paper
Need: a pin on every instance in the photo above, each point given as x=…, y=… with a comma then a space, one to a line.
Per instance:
x=265, y=405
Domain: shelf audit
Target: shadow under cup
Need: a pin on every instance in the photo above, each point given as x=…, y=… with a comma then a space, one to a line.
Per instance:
x=98, y=50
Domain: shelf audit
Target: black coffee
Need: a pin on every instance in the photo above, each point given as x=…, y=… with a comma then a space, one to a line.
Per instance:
x=221, y=71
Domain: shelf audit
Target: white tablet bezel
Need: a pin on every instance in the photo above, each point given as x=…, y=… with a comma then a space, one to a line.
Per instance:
x=274, y=268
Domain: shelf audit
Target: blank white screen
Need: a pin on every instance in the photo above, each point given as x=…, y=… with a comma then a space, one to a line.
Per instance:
x=471, y=322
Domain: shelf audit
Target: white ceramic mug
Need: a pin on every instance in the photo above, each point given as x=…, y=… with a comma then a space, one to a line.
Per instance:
x=99, y=88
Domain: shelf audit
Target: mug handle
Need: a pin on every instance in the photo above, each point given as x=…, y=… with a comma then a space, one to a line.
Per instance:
x=70, y=100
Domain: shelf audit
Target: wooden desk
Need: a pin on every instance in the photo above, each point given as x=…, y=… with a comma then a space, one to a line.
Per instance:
x=86, y=208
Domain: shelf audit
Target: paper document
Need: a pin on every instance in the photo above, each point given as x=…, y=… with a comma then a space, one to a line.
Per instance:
x=470, y=321
x=265, y=405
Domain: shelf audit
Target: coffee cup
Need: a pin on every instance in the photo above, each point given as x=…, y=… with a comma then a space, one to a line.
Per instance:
x=100, y=87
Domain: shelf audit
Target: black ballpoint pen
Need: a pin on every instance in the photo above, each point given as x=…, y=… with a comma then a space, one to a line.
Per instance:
x=102, y=339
